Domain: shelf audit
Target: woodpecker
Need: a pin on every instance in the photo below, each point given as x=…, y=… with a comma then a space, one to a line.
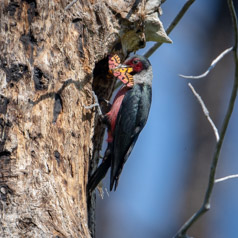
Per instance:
x=125, y=120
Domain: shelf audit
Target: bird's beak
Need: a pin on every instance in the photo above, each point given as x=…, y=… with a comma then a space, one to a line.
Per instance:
x=128, y=68
x=122, y=66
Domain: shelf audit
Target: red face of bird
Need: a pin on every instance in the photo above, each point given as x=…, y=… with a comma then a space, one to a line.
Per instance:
x=138, y=63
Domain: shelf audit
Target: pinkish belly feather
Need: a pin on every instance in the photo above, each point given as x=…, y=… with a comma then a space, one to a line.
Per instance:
x=112, y=114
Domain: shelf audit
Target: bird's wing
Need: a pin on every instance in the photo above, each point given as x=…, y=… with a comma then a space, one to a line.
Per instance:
x=131, y=119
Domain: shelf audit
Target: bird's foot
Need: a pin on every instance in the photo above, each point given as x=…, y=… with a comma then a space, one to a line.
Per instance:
x=106, y=104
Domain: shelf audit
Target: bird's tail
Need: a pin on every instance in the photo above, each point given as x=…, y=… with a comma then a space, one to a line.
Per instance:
x=100, y=172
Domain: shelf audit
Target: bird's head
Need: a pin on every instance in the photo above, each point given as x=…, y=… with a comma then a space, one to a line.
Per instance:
x=138, y=63
x=142, y=70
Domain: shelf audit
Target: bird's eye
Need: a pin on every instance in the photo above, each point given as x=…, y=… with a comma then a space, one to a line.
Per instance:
x=135, y=61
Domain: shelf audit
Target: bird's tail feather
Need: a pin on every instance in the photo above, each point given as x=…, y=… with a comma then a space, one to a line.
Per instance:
x=99, y=174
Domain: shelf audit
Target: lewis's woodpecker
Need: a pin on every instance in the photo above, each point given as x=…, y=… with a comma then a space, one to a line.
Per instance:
x=125, y=120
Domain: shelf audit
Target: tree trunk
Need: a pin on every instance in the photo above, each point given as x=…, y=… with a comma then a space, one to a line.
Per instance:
x=53, y=54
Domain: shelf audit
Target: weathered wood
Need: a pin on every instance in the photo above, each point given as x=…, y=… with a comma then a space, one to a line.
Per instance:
x=51, y=57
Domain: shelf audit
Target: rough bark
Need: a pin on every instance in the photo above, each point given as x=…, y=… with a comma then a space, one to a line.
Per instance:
x=52, y=55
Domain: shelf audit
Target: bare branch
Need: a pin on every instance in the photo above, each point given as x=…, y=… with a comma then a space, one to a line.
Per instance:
x=205, y=111
x=226, y=178
x=171, y=27
x=234, y=21
x=213, y=64
x=206, y=203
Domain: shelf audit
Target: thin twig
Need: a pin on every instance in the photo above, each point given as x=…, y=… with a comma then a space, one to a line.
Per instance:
x=206, y=203
x=205, y=111
x=213, y=64
x=70, y=4
x=226, y=178
x=96, y=104
x=171, y=27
